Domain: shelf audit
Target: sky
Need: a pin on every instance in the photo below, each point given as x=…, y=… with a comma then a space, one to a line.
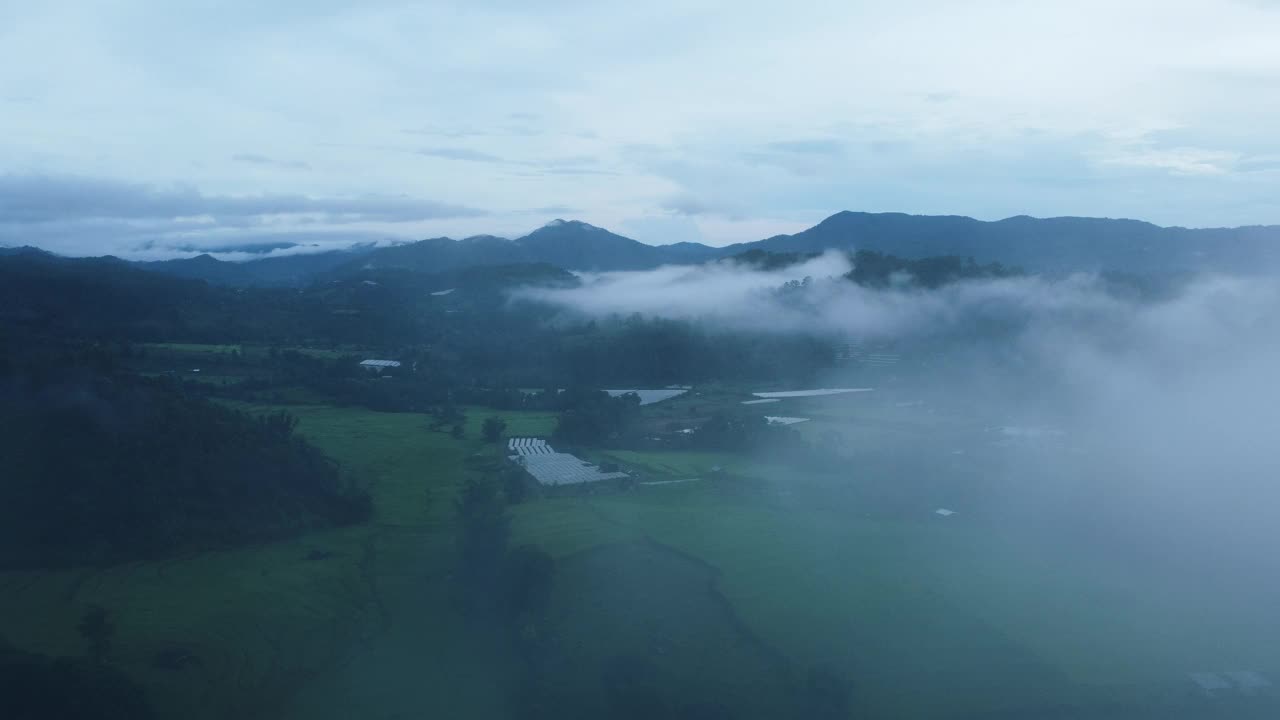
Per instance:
x=149, y=129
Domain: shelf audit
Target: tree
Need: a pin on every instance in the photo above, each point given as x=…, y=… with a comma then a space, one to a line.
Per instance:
x=592, y=417
x=493, y=429
x=483, y=531
x=527, y=580
x=456, y=432
x=97, y=630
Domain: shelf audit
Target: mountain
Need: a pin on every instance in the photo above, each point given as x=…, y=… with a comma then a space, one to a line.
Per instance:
x=282, y=270
x=23, y=250
x=438, y=255
x=579, y=246
x=1063, y=244
x=94, y=297
x=569, y=244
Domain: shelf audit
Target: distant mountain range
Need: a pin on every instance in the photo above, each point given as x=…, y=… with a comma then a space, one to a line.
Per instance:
x=1064, y=244
x=1055, y=245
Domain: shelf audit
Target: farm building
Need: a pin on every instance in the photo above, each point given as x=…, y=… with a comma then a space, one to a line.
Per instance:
x=379, y=365
x=551, y=468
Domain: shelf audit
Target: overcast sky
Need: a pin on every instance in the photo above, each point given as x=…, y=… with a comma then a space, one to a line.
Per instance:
x=145, y=128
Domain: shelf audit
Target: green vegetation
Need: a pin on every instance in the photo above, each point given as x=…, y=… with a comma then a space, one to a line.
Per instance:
x=258, y=624
x=894, y=606
x=36, y=686
x=193, y=348
x=289, y=535
x=153, y=472
x=875, y=269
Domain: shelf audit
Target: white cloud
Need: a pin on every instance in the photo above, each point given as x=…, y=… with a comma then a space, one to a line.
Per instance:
x=1178, y=160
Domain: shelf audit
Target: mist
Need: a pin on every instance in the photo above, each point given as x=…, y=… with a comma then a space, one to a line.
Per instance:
x=1159, y=413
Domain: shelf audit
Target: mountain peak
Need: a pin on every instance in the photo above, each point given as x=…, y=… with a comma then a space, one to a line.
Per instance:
x=570, y=224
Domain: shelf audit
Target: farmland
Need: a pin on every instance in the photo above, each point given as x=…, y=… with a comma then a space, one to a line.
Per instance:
x=757, y=589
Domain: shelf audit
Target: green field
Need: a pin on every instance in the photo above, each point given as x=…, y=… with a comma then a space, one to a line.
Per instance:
x=192, y=348
x=268, y=621
x=736, y=591
x=519, y=423
x=932, y=617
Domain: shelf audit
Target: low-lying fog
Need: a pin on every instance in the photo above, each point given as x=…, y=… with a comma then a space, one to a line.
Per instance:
x=1167, y=405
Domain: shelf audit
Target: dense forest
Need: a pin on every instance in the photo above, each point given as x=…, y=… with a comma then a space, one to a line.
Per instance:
x=101, y=465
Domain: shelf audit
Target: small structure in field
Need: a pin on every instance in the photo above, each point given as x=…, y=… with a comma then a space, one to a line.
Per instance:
x=379, y=365
x=529, y=446
x=551, y=468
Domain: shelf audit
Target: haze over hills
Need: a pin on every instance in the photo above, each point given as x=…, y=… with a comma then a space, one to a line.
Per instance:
x=1055, y=245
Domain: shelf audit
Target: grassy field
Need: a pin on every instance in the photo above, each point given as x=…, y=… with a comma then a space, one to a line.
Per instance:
x=744, y=585
x=266, y=622
x=519, y=423
x=674, y=465
x=192, y=348
x=931, y=616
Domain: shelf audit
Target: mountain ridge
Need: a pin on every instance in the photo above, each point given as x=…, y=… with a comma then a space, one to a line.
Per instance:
x=1055, y=244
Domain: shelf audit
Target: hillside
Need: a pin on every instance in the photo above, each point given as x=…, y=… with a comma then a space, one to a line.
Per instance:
x=568, y=244
x=284, y=270
x=1063, y=244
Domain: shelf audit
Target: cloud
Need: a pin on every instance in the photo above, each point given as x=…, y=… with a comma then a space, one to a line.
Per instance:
x=460, y=154
x=808, y=147
x=744, y=298
x=255, y=159
x=1177, y=161
x=802, y=157
x=554, y=170
x=722, y=292
x=252, y=248
x=94, y=216
x=557, y=210
x=687, y=205
x=50, y=198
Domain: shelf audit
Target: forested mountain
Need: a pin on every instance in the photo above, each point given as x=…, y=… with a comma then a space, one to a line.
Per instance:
x=97, y=297
x=579, y=246
x=284, y=270
x=567, y=244
x=1064, y=244
x=564, y=243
